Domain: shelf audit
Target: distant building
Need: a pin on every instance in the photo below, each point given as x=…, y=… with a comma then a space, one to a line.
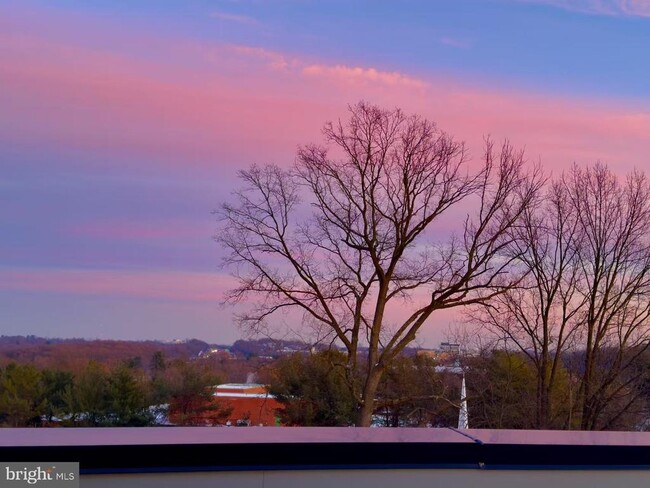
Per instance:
x=232, y=404
x=251, y=404
x=450, y=347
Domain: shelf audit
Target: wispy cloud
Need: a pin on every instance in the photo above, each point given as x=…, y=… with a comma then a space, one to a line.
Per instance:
x=273, y=59
x=627, y=8
x=333, y=72
x=247, y=103
x=355, y=74
x=230, y=17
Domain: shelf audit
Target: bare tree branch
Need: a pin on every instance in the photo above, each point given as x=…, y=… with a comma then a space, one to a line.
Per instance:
x=366, y=247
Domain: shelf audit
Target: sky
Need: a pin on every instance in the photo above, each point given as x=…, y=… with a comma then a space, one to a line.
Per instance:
x=123, y=125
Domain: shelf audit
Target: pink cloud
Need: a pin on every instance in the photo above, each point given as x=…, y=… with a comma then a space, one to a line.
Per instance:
x=273, y=59
x=223, y=107
x=152, y=285
x=212, y=106
x=631, y=8
x=356, y=74
x=79, y=99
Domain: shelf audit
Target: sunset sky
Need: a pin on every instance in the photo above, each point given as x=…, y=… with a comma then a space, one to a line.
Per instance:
x=122, y=126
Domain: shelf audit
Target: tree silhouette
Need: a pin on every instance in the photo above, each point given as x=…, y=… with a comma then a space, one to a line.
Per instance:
x=368, y=246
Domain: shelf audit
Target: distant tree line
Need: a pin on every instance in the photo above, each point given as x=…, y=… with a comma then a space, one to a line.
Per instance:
x=582, y=308
x=313, y=388
x=125, y=395
x=418, y=390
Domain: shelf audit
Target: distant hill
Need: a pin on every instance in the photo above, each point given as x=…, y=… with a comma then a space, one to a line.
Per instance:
x=267, y=347
x=274, y=348
x=72, y=354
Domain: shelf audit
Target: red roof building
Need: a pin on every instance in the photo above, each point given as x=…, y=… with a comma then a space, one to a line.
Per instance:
x=230, y=404
x=251, y=404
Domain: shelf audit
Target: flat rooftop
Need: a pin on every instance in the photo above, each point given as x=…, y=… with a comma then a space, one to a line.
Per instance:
x=184, y=449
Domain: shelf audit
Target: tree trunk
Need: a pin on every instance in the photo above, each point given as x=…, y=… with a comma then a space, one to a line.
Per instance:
x=586, y=420
x=368, y=398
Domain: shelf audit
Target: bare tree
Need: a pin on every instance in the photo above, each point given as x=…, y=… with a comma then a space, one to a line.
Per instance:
x=367, y=246
x=614, y=258
x=541, y=316
x=586, y=295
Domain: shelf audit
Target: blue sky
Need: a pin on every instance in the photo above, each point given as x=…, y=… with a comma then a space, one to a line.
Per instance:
x=543, y=45
x=123, y=124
